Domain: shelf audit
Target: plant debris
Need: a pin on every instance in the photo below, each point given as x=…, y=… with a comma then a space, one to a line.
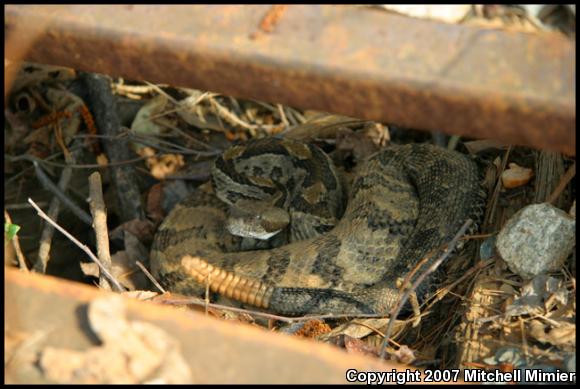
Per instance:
x=487, y=312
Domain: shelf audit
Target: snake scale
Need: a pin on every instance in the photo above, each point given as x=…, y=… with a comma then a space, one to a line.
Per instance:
x=315, y=252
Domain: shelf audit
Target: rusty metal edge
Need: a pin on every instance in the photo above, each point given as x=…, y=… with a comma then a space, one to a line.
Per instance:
x=476, y=82
x=217, y=351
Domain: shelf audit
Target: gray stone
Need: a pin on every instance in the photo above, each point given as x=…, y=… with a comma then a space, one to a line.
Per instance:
x=537, y=239
x=487, y=248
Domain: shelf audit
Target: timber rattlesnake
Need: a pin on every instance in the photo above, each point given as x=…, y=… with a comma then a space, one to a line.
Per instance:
x=404, y=202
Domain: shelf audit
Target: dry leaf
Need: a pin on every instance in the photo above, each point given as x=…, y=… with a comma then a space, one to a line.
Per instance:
x=102, y=160
x=562, y=335
x=535, y=293
x=32, y=74
x=143, y=124
x=364, y=142
x=161, y=166
x=516, y=176
x=356, y=330
x=404, y=355
x=354, y=345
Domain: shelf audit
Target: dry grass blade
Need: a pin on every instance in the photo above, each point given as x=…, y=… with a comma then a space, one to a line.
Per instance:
x=286, y=319
x=570, y=173
x=58, y=192
x=403, y=299
x=150, y=276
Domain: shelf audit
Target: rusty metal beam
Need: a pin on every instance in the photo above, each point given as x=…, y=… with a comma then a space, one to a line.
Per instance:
x=216, y=351
x=365, y=63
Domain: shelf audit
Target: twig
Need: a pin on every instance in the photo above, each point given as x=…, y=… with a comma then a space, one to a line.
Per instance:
x=230, y=117
x=492, y=205
x=73, y=166
x=292, y=120
x=206, y=295
x=570, y=173
x=58, y=191
x=24, y=171
x=286, y=319
x=99, y=213
x=16, y=245
x=79, y=244
x=477, y=236
x=299, y=117
x=17, y=207
x=48, y=231
x=283, y=115
x=150, y=276
x=403, y=299
x=190, y=137
x=121, y=87
x=101, y=102
x=156, y=142
x=442, y=292
x=368, y=326
x=453, y=141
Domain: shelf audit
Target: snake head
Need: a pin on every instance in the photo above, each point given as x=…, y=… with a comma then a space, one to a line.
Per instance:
x=258, y=220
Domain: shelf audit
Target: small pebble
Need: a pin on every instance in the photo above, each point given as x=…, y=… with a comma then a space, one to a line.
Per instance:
x=537, y=239
x=487, y=248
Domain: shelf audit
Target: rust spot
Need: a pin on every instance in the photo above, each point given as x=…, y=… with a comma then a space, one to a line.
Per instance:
x=464, y=80
x=272, y=17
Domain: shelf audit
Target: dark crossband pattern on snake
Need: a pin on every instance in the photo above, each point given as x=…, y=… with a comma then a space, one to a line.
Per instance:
x=277, y=230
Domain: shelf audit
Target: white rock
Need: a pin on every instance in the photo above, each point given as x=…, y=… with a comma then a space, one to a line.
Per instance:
x=537, y=239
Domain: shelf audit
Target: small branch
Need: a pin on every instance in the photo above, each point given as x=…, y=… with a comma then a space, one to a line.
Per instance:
x=492, y=204
x=58, y=191
x=570, y=173
x=79, y=244
x=230, y=117
x=286, y=319
x=283, y=116
x=403, y=299
x=174, y=148
x=54, y=208
x=442, y=292
x=46, y=161
x=16, y=245
x=99, y=213
x=150, y=276
x=101, y=103
x=25, y=206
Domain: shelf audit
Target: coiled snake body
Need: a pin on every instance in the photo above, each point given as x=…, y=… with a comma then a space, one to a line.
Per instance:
x=404, y=202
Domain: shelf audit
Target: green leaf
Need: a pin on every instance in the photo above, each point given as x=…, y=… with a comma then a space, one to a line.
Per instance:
x=11, y=230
